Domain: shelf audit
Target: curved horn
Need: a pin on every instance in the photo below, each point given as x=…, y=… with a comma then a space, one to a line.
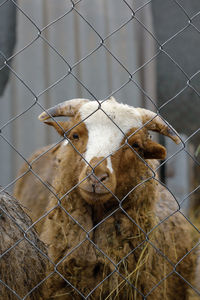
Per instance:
x=111, y=99
x=157, y=124
x=67, y=108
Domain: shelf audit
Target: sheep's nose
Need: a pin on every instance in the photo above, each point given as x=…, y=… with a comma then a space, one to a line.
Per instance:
x=95, y=182
x=103, y=177
x=96, y=178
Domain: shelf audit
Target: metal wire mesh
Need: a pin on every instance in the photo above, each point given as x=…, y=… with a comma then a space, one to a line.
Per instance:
x=70, y=67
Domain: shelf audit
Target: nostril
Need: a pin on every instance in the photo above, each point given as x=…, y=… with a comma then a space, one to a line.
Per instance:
x=103, y=177
x=96, y=179
x=88, y=172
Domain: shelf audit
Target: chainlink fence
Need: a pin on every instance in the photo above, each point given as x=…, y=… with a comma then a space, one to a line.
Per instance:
x=172, y=104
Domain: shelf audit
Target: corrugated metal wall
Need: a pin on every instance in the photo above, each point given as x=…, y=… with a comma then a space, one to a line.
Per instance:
x=44, y=71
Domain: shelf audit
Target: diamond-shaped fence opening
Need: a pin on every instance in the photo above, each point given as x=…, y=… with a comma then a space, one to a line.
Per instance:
x=95, y=215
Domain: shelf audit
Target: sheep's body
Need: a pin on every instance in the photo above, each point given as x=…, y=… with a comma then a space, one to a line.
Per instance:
x=116, y=237
x=35, y=203
x=95, y=236
x=22, y=266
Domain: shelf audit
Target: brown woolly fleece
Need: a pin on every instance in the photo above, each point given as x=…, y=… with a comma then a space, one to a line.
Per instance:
x=138, y=260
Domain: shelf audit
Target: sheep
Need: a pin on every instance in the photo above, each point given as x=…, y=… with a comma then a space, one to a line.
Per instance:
x=111, y=229
x=22, y=266
x=44, y=166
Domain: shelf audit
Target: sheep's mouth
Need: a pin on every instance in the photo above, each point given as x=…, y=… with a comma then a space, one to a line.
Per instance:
x=93, y=196
x=94, y=190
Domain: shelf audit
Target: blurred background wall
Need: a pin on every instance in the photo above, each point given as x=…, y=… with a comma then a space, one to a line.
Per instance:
x=43, y=72
x=177, y=27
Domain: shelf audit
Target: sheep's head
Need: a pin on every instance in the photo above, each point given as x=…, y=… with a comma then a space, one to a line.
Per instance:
x=113, y=141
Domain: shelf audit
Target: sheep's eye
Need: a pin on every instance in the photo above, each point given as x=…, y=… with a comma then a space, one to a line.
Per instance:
x=75, y=136
x=135, y=145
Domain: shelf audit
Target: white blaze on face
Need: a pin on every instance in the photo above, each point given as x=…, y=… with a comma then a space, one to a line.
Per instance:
x=104, y=137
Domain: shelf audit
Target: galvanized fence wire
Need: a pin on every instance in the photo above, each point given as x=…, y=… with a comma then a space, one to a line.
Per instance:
x=130, y=75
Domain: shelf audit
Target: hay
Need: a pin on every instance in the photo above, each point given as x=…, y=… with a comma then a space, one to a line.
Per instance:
x=22, y=267
x=144, y=267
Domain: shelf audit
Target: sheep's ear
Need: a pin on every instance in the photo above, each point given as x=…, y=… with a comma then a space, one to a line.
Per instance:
x=60, y=127
x=153, y=150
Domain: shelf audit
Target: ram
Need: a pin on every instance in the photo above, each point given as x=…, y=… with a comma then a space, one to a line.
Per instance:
x=112, y=230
